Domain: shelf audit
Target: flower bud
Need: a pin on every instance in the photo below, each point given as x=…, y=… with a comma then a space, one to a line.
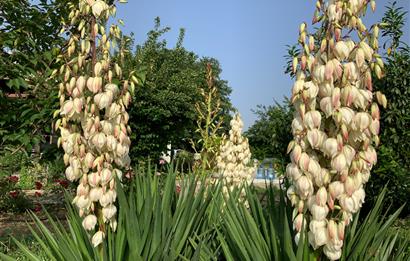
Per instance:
x=319, y=212
x=109, y=211
x=292, y=171
x=336, y=188
x=329, y=147
x=304, y=187
x=89, y=222
x=339, y=163
x=321, y=196
x=304, y=161
x=97, y=238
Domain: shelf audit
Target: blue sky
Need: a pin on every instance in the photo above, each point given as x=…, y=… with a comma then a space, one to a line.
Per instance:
x=249, y=39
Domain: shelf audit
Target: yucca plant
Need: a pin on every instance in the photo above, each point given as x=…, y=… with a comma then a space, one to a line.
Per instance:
x=156, y=221
x=265, y=233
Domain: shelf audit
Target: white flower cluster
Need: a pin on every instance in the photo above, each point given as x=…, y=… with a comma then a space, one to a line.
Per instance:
x=335, y=125
x=234, y=156
x=93, y=124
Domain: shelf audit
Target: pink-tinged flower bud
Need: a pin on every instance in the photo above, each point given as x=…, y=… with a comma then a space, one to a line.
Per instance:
x=336, y=188
x=339, y=162
x=312, y=119
x=360, y=57
x=304, y=187
x=82, y=202
x=332, y=13
x=341, y=230
x=341, y=50
x=89, y=222
x=381, y=99
x=326, y=106
x=106, y=199
x=331, y=202
x=321, y=196
x=304, y=161
x=312, y=89
x=311, y=43
x=362, y=120
x=370, y=155
x=319, y=73
x=375, y=111
x=89, y=159
x=303, y=62
x=68, y=108
x=78, y=105
x=99, y=140
x=329, y=69
x=375, y=127
x=98, y=238
x=314, y=167
x=347, y=203
x=332, y=229
x=349, y=153
x=322, y=178
x=315, y=138
x=336, y=98
x=80, y=84
x=109, y=211
x=106, y=176
x=349, y=186
x=347, y=115
x=325, y=89
x=298, y=222
x=296, y=153
x=82, y=190
x=349, y=94
x=95, y=194
x=329, y=147
x=297, y=125
x=367, y=50
x=292, y=171
x=94, y=179
x=338, y=69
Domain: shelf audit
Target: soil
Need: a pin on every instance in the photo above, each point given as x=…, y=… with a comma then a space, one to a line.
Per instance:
x=17, y=224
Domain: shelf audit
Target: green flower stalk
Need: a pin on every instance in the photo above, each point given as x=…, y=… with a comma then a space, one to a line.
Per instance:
x=94, y=96
x=336, y=124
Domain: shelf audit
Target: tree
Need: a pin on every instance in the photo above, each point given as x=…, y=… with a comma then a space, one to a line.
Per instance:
x=29, y=44
x=393, y=165
x=270, y=135
x=164, y=108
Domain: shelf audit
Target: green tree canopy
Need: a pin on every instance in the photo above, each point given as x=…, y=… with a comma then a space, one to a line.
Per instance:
x=271, y=133
x=29, y=44
x=163, y=110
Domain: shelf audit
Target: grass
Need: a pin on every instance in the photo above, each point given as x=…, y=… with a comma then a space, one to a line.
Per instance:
x=7, y=246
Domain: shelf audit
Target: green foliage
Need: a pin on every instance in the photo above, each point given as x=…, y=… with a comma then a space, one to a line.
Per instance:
x=266, y=233
x=29, y=44
x=163, y=110
x=394, y=155
x=165, y=218
x=156, y=221
x=270, y=135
